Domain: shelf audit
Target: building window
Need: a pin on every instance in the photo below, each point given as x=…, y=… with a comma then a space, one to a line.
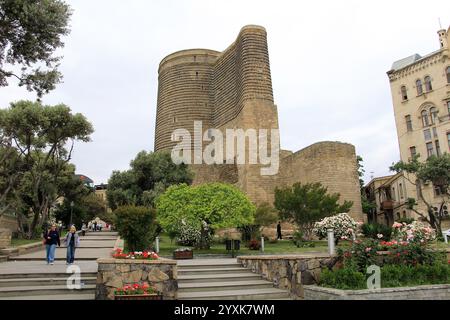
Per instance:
x=404, y=214
x=428, y=85
x=404, y=93
x=419, y=87
x=434, y=114
x=408, y=123
x=393, y=194
x=448, y=107
x=401, y=190
x=413, y=151
x=427, y=134
x=438, y=147
x=430, y=150
x=398, y=215
x=439, y=190
x=435, y=132
x=425, y=120
x=448, y=139
x=448, y=74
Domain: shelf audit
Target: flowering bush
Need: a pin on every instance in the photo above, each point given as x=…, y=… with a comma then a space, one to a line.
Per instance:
x=413, y=232
x=135, y=289
x=254, y=245
x=189, y=235
x=138, y=255
x=343, y=225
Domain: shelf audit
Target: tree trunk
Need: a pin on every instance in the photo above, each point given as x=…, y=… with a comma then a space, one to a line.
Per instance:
x=203, y=242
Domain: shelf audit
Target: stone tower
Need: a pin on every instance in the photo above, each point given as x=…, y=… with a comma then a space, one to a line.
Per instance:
x=233, y=89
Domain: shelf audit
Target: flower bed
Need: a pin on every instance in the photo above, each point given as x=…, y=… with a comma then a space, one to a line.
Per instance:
x=137, y=292
x=138, y=255
x=183, y=253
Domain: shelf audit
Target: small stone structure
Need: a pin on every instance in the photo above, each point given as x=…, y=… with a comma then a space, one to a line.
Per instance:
x=5, y=238
x=289, y=272
x=116, y=273
x=427, y=292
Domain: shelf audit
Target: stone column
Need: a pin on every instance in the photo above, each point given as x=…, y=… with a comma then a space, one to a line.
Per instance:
x=5, y=238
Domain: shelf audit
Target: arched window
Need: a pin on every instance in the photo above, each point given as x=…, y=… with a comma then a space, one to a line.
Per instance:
x=419, y=87
x=404, y=93
x=448, y=74
x=425, y=120
x=434, y=115
x=428, y=86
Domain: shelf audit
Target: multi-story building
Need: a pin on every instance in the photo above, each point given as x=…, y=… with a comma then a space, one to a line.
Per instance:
x=420, y=88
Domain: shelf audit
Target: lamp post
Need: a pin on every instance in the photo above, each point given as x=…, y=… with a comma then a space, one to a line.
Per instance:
x=330, y=233
x=71, y=212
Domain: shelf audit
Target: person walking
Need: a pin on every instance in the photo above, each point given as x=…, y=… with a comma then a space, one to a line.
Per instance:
x=83, y=229
x=279, y=237
x=72, y=241
x=95, y=225
x=51, y=239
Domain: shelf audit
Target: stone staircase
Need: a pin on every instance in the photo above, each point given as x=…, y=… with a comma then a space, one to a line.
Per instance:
x=223, y=279
x=45, y=286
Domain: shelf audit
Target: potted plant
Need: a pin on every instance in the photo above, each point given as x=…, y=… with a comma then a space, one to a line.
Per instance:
x=183, y=253
x=137, y=292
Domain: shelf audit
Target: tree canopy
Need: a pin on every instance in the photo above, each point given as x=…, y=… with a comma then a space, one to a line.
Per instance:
x=216, y=205
x=149, y=176
x=30, y=33
x=36, y=144
x=307, y=204
x=436, y=169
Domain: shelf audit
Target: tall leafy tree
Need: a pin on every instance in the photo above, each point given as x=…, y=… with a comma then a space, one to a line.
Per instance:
x=307, y=204
x=214, y=205
x=436, y=169
x=368, y=206
x=149, y=176
x=30, y=33
x=38, y=141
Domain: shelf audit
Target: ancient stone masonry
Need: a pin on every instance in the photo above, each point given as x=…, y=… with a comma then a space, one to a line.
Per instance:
x=233, y=90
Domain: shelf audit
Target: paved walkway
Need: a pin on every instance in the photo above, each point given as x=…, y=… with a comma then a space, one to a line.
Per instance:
x=92, y=246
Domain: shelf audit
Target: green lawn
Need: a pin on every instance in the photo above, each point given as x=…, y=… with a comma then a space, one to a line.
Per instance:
x=166, y=248
x=20, y=242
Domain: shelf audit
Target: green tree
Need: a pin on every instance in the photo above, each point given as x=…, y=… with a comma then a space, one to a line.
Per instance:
x=137, y=225
x=214, y=205
x=149, y=176
x=38, y=141
x=436, y=169
x=367, y=206
x=307, y=204
x=265, y=215
x=30, y=33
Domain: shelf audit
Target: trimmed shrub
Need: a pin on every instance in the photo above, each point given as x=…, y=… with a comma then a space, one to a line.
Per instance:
x=137, y=226
x=376, y=231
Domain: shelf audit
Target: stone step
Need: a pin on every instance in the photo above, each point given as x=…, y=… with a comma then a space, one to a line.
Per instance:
x=217, y=277
x=3, y=258
x=73, y=296
x=56, y=275
x=191, y=271
x=33, y=282
x=223, y=285
x=205, y=265
x=243, y=294
x=44, y=290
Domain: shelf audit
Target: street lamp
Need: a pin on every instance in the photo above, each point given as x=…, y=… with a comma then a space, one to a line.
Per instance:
x=71, y=212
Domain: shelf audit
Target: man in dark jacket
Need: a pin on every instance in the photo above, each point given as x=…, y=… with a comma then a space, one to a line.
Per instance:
x=279, y=237
x=51, y=239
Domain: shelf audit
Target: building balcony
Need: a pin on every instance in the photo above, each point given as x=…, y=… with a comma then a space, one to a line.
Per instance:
x=387, y=205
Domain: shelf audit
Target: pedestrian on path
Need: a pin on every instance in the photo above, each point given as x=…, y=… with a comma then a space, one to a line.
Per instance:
x=83, y=229
x=279, y=237
x=72, y=241
x=51, y=239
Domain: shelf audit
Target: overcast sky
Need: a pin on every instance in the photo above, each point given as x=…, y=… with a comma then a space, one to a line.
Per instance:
x=328, y=60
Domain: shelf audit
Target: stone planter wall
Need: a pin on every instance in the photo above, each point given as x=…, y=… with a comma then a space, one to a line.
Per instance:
x=115, y=273
x=5, y=238
x=429, y=292
x=289, y=272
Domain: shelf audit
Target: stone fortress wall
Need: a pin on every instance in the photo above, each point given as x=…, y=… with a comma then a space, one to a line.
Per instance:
x=233, y=90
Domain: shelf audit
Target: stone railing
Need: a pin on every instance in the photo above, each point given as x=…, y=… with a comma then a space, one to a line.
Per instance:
x=426, y=292
x=116, y=273
x=289, y=272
